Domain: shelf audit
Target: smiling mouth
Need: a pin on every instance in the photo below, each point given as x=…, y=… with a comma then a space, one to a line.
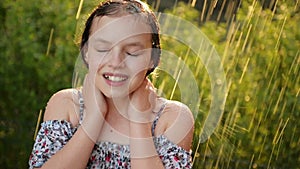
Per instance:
x=115, y=78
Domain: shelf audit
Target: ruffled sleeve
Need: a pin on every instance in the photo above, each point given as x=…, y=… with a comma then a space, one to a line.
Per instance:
x=171, y=154
x=52, y=136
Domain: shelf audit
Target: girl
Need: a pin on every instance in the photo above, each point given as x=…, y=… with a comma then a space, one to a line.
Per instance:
x=115, y=120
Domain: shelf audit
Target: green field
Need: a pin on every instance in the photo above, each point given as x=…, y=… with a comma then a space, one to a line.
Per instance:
x=258, y=48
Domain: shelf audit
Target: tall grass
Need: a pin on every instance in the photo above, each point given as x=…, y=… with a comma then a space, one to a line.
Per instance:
x=260, y=56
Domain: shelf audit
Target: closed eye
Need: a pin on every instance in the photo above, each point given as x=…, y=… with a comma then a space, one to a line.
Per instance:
x=103, y=50
x=135, y=54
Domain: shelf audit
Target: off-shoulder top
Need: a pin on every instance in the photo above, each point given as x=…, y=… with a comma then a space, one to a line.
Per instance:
x=54, y=134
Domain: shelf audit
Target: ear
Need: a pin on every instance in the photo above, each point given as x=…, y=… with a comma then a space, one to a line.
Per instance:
x=151, y=64
x=85, y=53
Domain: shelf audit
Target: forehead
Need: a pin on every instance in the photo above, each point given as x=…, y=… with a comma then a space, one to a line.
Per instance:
x=116, y=29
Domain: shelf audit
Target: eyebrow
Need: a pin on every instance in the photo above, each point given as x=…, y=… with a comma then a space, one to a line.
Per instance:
x=102, y=40
x=133, y=44
x=129, y=44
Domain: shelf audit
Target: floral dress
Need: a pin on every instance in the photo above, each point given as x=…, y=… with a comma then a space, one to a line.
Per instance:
x=54, y=134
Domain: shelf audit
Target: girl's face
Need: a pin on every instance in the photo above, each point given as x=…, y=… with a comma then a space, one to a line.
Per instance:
x=119, y=54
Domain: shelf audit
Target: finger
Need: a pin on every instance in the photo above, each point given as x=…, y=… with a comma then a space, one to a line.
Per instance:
x=150, y=86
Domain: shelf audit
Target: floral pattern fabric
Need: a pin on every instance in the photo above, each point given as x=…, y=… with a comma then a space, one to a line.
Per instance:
x=54, y=134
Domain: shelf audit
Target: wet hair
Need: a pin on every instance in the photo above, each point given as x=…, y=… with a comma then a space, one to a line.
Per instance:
x=120, y=8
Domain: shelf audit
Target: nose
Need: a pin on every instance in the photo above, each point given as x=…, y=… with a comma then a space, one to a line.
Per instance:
x=116, y=59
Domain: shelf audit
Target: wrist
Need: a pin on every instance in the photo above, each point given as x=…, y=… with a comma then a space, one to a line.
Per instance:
x=142, y=148
x=135, y=116
x=141, y=140
x=92, y=124
x=140, y=130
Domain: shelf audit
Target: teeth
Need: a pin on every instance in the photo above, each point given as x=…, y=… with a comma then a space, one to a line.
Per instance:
x=114, y=78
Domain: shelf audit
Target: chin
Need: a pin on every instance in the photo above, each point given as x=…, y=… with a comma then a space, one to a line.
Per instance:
x=116, y=94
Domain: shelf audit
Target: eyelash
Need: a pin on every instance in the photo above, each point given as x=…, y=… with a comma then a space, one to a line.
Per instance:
x=131, y=54
x=127, y=53
x=103, y=51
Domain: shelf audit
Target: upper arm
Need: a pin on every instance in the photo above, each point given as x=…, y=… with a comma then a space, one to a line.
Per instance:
x=179, y=124
x=58, y=107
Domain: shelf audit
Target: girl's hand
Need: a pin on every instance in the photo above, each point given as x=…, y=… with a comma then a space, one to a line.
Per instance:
x=95, y=108
x=94, y=101
x=142, y=102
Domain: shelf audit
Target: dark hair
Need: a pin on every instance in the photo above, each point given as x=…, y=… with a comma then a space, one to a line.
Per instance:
x=115, y=8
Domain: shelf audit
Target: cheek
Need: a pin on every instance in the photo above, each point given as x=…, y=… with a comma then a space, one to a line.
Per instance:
x=138, y=76
x=136, y=81
x=95, y=61
x=140, y=64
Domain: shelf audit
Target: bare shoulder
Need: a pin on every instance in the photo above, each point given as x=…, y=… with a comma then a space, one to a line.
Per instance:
x=61, y=105
x=173, y=106
x=177, y=123
x=178, y=113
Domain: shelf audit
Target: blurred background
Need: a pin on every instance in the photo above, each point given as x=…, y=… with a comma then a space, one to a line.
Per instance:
x=258, y=42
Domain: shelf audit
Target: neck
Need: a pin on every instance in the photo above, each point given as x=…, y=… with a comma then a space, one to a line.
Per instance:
x=118, y=105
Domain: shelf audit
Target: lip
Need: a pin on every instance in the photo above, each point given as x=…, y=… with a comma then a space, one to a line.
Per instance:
x=114, y=79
